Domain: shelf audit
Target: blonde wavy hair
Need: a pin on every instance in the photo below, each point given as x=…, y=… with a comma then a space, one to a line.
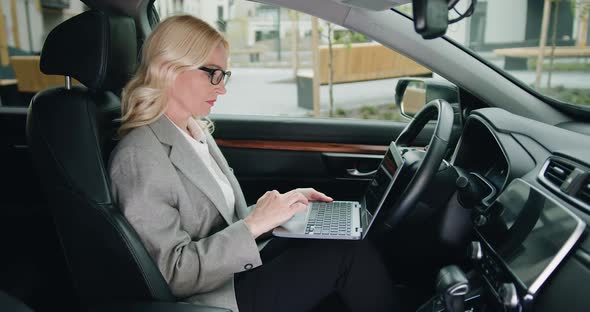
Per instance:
x=177, y=44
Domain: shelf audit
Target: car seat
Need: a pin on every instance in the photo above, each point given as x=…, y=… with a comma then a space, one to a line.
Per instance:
x=71, y=132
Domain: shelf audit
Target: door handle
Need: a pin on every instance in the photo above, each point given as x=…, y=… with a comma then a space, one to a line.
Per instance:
x=355, y=173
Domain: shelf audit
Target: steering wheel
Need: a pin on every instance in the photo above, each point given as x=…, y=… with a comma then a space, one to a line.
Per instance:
x=437, y=149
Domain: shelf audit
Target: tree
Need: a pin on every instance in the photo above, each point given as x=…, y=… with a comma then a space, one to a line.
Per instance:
x=553, y=41
x=542, y=42
x=347, y=38
x=582, y=8
x=330, y=71
x=294, y=17
x=329, y=37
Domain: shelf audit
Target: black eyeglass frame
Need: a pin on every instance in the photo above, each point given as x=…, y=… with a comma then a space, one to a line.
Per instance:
x=212, y=71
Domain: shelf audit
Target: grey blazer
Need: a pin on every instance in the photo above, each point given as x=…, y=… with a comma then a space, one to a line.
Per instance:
x=173, y=202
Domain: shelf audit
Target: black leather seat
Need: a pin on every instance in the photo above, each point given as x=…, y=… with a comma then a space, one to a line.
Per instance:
x=71, y=133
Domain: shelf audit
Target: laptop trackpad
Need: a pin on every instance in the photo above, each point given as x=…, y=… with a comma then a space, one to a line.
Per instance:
x=295, y=225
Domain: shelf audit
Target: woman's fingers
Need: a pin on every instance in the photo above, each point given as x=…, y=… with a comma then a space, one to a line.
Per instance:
x=274, y=208
x=293, y=197
x=312, y=194
x=298, y=207
x=320, y=196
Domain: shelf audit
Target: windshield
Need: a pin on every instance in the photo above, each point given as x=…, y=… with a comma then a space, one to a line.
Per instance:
x=512, y=33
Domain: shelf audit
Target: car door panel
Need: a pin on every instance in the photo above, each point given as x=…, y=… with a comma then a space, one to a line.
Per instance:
x=281, y=153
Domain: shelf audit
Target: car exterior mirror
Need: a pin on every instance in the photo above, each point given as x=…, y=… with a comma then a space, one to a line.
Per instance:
x=411, y=94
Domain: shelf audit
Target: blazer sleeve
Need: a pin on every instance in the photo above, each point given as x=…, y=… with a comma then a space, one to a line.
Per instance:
x=141, y=185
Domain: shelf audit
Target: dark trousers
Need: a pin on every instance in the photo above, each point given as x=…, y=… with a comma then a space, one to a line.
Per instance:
x=296, y=275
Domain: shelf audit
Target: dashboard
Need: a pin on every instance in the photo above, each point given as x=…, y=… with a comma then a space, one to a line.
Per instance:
x=529, y=220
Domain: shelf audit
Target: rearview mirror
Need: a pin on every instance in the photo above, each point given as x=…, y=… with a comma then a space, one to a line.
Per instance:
x=411, y=94
x=430, y=18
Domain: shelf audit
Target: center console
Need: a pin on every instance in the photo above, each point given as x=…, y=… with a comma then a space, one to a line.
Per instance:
x=521, y=238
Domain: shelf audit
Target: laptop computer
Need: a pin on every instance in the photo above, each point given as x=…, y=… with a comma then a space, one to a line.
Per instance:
x=346, y=220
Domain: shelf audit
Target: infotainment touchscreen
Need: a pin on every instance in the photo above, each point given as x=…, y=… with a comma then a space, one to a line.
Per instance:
x=531, y=233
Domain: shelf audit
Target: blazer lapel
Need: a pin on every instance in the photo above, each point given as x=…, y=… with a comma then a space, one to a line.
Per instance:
x=241, y=206
x=185, y=159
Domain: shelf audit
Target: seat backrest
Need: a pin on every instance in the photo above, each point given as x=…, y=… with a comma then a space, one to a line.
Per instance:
x=71, y=132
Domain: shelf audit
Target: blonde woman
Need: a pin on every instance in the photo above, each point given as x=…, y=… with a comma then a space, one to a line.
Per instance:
x=177, y=191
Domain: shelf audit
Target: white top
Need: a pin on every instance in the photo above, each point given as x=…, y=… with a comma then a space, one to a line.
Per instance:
x=198, y=141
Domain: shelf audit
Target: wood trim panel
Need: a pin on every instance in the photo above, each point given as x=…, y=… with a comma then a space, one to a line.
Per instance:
x=305, y=146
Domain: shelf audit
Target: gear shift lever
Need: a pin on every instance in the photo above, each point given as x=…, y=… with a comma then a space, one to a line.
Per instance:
x=452, y=285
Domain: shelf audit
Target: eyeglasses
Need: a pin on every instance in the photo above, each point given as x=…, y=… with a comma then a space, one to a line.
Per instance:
x=216, y=75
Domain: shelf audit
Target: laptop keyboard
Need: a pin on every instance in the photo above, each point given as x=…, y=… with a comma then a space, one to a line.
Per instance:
x=333, y=218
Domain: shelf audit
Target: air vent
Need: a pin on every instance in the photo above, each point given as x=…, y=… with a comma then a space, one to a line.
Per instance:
x=557, y=172
x=567, y=178
x=583, y=193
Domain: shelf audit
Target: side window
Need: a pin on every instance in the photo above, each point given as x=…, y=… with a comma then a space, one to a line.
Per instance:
x=24, y=25
x=272, y=62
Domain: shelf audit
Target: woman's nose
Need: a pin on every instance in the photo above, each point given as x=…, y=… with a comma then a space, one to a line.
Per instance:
x=220, y=88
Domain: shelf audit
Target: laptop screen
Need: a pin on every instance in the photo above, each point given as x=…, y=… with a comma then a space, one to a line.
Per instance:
x=385, y=174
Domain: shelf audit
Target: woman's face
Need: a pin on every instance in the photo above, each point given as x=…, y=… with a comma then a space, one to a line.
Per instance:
x=192, y=93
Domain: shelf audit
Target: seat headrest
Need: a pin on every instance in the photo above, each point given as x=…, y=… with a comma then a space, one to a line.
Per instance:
x=96, y=48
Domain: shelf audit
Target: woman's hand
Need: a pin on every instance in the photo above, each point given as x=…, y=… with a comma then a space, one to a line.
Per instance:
x=313, y=195
x=274, y=209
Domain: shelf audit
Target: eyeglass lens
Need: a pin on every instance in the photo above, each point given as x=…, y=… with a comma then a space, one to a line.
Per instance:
x=217, y=76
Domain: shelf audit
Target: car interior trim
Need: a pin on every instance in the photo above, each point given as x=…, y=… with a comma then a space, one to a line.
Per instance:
x=483, y=122
x=304, y=146
x=488, y=199
x=555, y=188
